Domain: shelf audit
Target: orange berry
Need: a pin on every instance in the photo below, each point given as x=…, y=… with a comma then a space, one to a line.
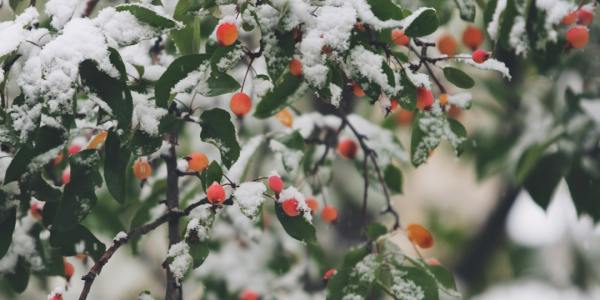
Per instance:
x=472, y=37
x=357, y=90
x=69, y=269
x=197, y=162
x=142, y=169
x=585, y=17
x=240, y=104
x=569, y=18
x=290, y=207
x=480, y=56
x=419, y=235
x=313, y=204
x=73, y=149
x=249, y=295
x=329, y=214
x=447, y=44
x=35, y=210
x=399, y=38
x=578, y=36
x=97, y=140
x=275, y=184
x=227, y=34
x=404, y=117
x=215, y=193
x=285, y=117
x=329, y=273
x=424, y=98
x=443, y=99
x=66, y=176
x=295, y=67
x=347, y=148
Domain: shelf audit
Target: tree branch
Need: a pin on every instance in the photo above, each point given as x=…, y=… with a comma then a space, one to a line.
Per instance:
x=89, y=8
x=173, y=290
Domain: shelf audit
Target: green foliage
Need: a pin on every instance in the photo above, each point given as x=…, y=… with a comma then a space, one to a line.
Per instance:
x=148, y=16
x=458, y=78
x=279, y=97
x=218, y=130
x=297, y=227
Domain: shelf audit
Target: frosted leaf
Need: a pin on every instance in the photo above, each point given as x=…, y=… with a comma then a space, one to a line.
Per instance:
x=403, y=288
x=290, y=158
x=12, y=33
x=518, y=36
x=364, y=63
x=180, y=260
x=494, y=25
x=62, y=11
x=146, y=116
x=249, y=196
x=122, y=27
x=462, y=100
x=22, y=245
x=490, y=64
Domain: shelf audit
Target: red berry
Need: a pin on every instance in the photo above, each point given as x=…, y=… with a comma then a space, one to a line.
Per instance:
x=479, y=56
x=227, y=34
x=290, y=207
x=399, y=38
x=36, y=210
x=142, y=169
x=275, y=184
x=585, y=17
x=197, y=162
x=569, y=18
x=69, y=270
x=404, y=117
x=240, y=104
x=329, y=214
x=357, y=90
x=419, y=235
x=74, y=149
x=249, y=295
x=313, y=204
x=432, y=261
x=55, y=296
x=578, y=36
x=329, y=273
x=215, y=193
x=66, y=176
x=295, y=67
x=447, y=44
x=424, y=98
x=347, y=148
x=472, y=37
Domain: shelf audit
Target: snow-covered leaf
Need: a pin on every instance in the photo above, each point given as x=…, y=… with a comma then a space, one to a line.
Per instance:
x=176, y=71
x=218, y=130
x=466, y=9
x=77, y=240
x=279, y=97
x=297, y=227
x=336, y=285
x=386, y=10
x=148, y=15
x=421, y=22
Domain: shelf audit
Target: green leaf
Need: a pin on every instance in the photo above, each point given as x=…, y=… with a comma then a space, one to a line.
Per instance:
x=18, y=6
x=8, y=219
x=386, y=10
x=297, y=227
x=110, y=90
x=425, y=23
x=187, y=39
x=458, y=78
x=221, y=83
x=116, y=162
x=584, y=185
x=459, y=130
x=443, y=277
x=488, y=12
x=79, y=195
x=218, y=130
x=213, y=173
x=46, y=138
x=336, y=285
x=199, y=252
x=19, y=279
x=42, y=190
x=293, y=140
x=507, y=21
x=147, y=15
x=543, y=178
x=145, y=144
x=530, y=157
x=69, y=241
x=176, y=71
x=421, y=279
x=466, y=9
x=279, y=97
x=375, y=230
x=393, y=178
x=230, y=53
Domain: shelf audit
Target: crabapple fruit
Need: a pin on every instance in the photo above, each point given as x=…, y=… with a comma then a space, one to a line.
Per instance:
x=419, y=235
x=142, y=169
x=227, y=34
x=197, y=161
x=240, y=104
x=290, y=207
x=347, y=148
x=215, y=193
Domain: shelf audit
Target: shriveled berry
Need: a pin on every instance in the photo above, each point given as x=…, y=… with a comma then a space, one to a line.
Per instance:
x=290, y=207
x=215, y=193
x=419, y=235
x=240, y=104
x=295, y=67
x=197, y=162
x=578, y=36
x=329, y=273
x=480, y=56
x=447, y=44
x=424, y=98
x=399, y=37
x=472, y=37
x=313, y=204
x=347, y=148
x=275, y=184
x=142, y=169
x=329, y=214
x=227, y=34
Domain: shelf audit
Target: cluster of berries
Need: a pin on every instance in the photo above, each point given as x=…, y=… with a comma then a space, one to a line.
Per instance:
x=578, y=34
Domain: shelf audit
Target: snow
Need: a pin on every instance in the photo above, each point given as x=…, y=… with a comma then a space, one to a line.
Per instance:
x=290, y=158
x=145, y=296
x=462, y=100
x=490, y=64
x=249, y=197
x=122, y=28
x=494, y=25
x=381, y=140
x=336, y=94
x=404, y=288
x=366, y=15
x=364, y=63
x=120, y=237
x=417, y=79
x=261, y=87
x=518, y=36
x=555, y=11
x=237, y=170
x=146, y=115
x=22, y=245
x=62, y=11
x=12, y=33
x=181, y=260
x=435, y=127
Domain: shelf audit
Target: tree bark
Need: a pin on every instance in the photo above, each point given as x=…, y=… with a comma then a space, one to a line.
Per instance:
x=173, y=290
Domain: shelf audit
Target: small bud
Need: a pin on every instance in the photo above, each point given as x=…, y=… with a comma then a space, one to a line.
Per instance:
x=399, y=38
x=313, y=204
x=249, y=295
x=329, y=273
x=472, y=37
x=578, y=37
x=69, y=270
x=74, y=149
x=424, y=98
x=66, y=176
x=357, y=90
